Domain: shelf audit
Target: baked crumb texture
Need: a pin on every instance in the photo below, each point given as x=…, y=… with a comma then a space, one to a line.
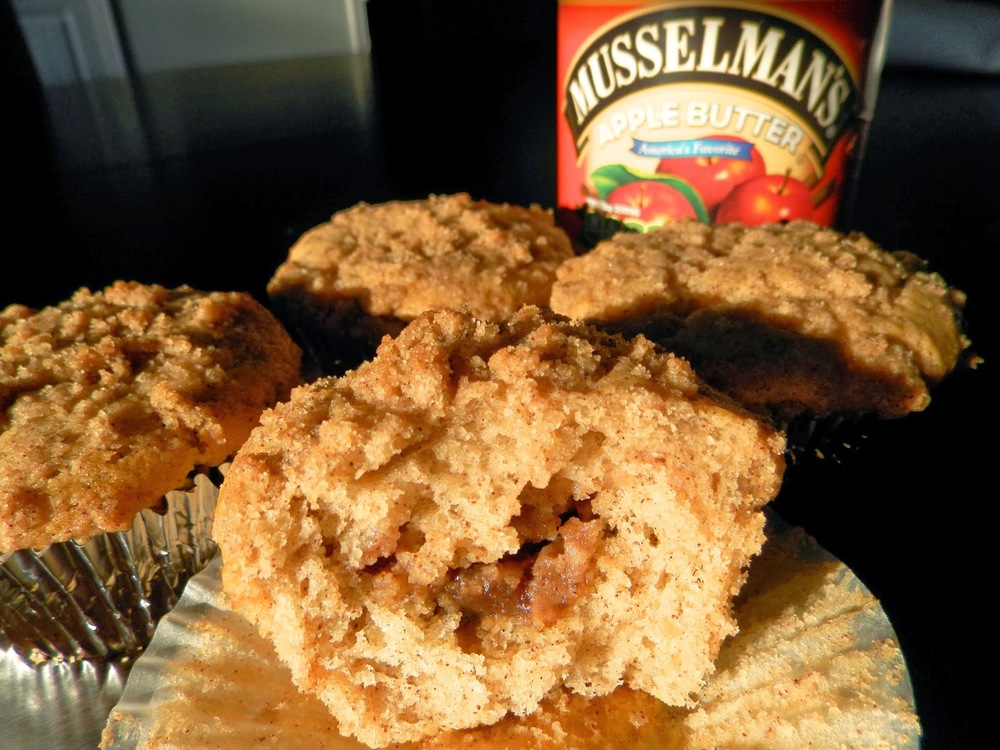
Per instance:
x=815, y=665
x=485, y=512
x=110, y=399
x=793, y=319
x=373, y=268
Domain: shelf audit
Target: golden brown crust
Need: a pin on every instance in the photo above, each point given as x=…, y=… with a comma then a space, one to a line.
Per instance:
x=111, y=399
x=372, y=268
x=487, y=511
x=403, y=258
x=789, y=318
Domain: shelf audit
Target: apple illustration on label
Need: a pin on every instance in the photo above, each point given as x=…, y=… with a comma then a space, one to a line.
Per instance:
x=657, y=203
x=767, y=199
x=714, y=177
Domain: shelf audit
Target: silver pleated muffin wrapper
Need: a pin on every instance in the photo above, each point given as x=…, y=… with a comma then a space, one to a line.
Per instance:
x=101, y=599
x=58, y=704
x=816, y=654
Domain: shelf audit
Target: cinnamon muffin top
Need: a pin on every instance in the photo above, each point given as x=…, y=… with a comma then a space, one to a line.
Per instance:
x=789, y=318
x=110, y=399
x=402, y=258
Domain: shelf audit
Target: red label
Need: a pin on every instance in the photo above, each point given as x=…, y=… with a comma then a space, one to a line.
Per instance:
x=749, y=112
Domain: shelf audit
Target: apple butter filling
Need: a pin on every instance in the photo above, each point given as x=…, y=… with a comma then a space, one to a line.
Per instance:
x=532, y=587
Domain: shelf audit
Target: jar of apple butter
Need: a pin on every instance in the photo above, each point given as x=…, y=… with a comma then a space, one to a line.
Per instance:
x=715, y=110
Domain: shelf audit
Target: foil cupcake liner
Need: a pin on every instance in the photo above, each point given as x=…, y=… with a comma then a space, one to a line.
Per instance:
x=816, y=664
x=57, y=705
x=101, y=599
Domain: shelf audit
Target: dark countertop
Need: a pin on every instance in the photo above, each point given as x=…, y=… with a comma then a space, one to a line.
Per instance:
x=207, y=176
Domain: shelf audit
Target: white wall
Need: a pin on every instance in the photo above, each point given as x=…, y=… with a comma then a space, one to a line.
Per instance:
x=188, y=54
x=172, y=34
x=73, y=41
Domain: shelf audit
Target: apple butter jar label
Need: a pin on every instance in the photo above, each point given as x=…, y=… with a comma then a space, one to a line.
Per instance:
x=717, y=111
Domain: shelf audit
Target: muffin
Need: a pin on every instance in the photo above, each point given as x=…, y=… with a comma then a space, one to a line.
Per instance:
x=114, y=406
x=487, y=512
x=815, y=664
x=796, y=321
x=373, y=268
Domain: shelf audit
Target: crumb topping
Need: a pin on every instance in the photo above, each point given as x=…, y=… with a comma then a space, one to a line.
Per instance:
x=403, y=258
x=110, y=399
x=784, y=317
